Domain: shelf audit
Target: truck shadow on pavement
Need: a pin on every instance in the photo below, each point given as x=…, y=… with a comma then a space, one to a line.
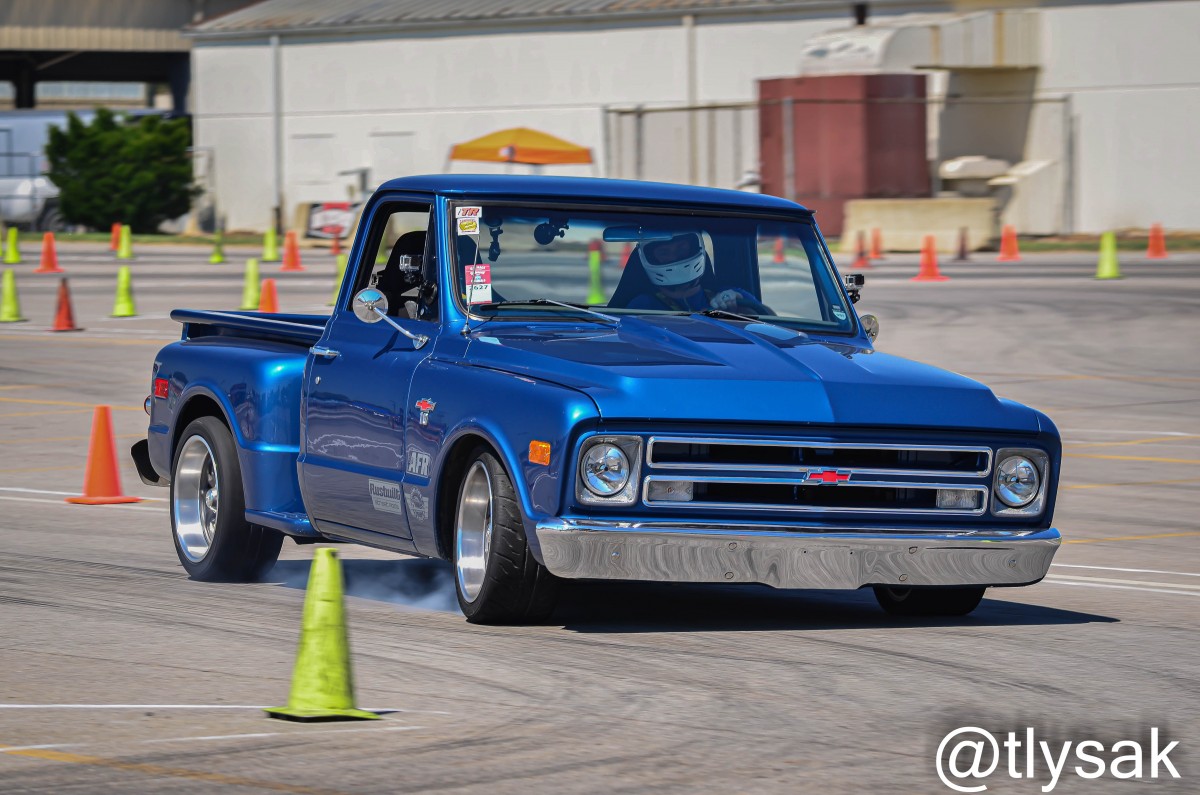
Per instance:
x=605, y=607
x=597, y=607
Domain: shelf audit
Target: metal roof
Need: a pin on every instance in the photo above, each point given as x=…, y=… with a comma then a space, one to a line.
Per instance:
x=519, y=186
x=312, y=16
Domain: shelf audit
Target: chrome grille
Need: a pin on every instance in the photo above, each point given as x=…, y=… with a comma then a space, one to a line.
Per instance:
x=815, y=476
x=697, y=452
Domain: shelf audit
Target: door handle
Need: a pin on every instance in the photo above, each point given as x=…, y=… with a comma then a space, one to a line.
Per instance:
x=323, y=352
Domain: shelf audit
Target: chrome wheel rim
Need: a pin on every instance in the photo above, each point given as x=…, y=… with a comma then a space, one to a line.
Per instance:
x=473, y=531
x=196, y=502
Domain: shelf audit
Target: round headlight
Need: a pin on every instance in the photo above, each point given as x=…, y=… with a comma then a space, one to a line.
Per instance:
x=605, y=469
x=1017, y=481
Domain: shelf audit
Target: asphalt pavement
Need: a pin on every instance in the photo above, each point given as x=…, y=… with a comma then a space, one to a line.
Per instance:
x=118, y=674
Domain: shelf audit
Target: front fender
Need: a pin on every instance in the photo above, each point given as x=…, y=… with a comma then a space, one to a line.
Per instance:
x=507, y=412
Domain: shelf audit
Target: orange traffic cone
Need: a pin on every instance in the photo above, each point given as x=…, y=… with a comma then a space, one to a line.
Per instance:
x=268, y=301
x=291, y=254
x=336, y=248
x=625, y=254
x=64, y=317
x=779, y=256
x=929, y=265
x=1009, y=251
x=49, y=262
x=964, y=250
x=102, y=480
x=115, y=242
x=861, y=263
x=1157, y=248
x=876, y=251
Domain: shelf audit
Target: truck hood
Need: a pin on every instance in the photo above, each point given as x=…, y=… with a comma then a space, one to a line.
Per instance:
x=686, y=368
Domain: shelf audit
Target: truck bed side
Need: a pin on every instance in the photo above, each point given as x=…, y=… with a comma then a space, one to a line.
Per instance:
x=247, y=369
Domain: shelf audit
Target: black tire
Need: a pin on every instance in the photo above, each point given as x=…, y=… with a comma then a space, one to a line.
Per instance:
x=515, y=588
x=237, y=551
x=928, y=601
x=51, y=219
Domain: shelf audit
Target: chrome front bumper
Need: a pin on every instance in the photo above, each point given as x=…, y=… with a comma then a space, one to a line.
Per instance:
x=785, y=557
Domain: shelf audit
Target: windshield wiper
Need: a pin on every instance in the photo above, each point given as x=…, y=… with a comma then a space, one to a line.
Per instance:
x=725, y=313
x=551, y=302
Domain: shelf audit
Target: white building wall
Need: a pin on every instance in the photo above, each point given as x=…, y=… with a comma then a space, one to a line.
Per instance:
x=397, y=104
x=1133, y=75
x=732, y=56
x=232, y=111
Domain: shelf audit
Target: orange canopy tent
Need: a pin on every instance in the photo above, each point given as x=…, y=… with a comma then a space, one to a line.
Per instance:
x=522, y=145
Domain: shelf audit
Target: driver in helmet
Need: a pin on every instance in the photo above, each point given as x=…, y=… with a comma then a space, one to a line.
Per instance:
x=675, y=267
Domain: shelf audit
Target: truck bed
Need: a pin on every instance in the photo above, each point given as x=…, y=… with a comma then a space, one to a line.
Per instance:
x=305, y=330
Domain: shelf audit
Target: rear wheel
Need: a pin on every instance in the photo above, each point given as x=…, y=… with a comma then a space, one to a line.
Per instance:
x=214, y=541
x=497, y=579
x=928, y=601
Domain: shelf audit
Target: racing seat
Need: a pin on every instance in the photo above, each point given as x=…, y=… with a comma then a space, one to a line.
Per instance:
x=635, y=282
x=400, y=276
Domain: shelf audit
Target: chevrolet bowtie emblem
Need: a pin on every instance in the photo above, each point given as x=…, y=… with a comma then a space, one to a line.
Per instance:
x=425, y=405
x=818, y=477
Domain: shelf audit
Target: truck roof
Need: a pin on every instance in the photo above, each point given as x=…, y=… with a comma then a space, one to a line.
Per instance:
x=510, y=185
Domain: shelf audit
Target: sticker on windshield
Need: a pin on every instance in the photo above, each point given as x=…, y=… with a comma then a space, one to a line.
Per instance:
x=385, y=496
x=468, y=226
x=467, y=212
x=479, y=283
x=838, y=313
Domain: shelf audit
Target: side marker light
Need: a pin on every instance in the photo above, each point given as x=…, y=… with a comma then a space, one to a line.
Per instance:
x=539, y=453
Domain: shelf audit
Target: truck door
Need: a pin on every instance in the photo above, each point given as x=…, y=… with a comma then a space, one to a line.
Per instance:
x=356, y=383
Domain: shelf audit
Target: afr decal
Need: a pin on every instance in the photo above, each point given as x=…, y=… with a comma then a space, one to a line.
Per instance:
x=418, y=463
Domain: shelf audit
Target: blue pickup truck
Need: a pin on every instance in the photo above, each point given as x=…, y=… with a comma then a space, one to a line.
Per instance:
x=543, y=378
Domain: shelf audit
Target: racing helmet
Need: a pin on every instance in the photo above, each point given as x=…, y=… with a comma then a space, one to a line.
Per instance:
x=677, y=260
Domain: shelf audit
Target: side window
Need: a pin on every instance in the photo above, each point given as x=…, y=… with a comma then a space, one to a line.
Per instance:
x=401, y=251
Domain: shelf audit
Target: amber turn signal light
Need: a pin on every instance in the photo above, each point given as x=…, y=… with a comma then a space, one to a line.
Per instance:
x=539, y=453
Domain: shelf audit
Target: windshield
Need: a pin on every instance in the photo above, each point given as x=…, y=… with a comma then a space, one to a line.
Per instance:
x=528, y=260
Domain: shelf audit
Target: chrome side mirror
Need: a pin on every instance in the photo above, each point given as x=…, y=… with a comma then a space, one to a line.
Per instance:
x=371, y=305
x=870, y=326
x=365, y=304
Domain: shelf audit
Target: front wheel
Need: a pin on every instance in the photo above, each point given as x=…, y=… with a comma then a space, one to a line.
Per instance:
x=928, y=601
x=214, y=541
x=51, y=219
x=496, y=576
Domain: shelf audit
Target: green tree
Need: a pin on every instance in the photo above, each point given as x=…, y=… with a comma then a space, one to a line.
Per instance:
x=135, y=172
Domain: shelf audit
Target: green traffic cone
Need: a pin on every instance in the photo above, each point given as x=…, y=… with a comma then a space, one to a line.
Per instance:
x=595, y=282
x=218, y=253
x=125, y=244
x=337, y=282
x=12, y=248
x=1108, y=267
x=250, y=286
x=270, y=246
x=123, y=304
x=322, y=681
x=10, y=306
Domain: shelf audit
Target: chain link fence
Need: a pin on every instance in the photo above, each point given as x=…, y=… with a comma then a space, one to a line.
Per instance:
x=712, y=145
x=773, y=144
